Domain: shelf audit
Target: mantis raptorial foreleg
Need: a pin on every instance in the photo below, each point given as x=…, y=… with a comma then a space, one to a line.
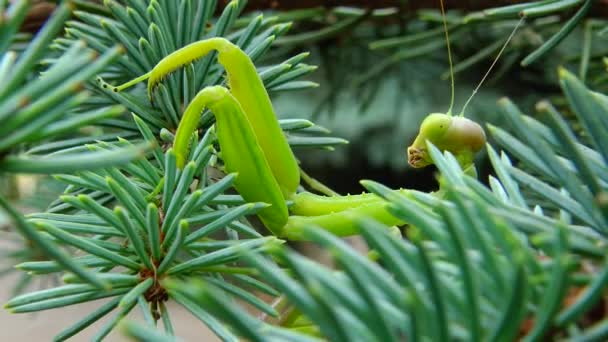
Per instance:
x=248, y=90
x=241, y=152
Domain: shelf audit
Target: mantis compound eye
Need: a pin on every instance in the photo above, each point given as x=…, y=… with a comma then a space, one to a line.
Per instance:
x=456, y=134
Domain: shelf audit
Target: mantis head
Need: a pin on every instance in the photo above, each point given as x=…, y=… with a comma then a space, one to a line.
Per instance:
x=456, y=134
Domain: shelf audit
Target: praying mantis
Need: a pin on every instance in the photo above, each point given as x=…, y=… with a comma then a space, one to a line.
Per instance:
x=253, y=145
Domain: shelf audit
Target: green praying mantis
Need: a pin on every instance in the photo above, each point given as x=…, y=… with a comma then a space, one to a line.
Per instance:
x=254, y=146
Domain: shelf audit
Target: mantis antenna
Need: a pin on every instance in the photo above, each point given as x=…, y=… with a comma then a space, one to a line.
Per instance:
x=502, y=49
x=447, y=41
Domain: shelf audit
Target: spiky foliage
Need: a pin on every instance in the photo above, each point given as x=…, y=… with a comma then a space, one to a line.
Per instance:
x=37, y=108
x=33, y=109
x=481, y=263
x=133, y=226
x=147, y=238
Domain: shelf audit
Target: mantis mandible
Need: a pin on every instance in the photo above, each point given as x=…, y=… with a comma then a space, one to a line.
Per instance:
x=253, y=145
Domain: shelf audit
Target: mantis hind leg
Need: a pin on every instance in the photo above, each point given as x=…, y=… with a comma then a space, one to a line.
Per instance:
x=309, y=204
x=342, y=223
